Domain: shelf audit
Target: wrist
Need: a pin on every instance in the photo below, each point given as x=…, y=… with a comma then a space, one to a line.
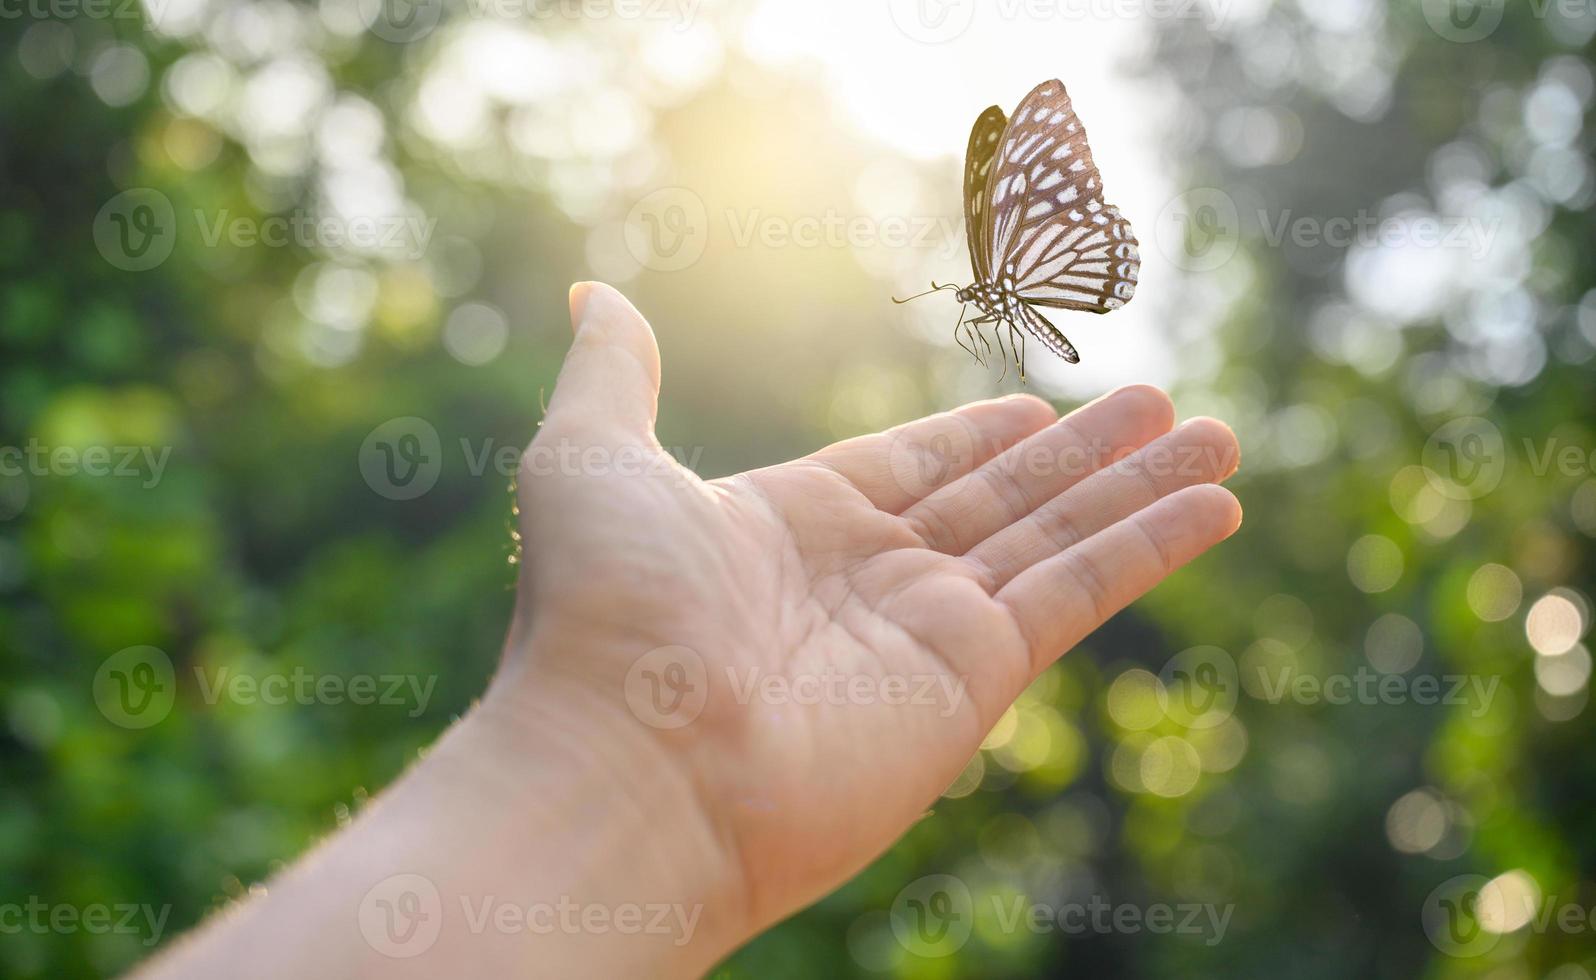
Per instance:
x=540, y=836
x=587, y=820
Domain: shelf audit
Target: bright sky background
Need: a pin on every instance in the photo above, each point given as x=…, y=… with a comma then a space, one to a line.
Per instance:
x=921, y=98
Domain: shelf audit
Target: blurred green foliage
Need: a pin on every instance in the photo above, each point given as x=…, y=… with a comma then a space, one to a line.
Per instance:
x=1321, y=831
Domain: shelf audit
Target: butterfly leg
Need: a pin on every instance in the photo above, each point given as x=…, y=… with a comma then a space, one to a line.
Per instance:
x=975, y=329
x=1016, y=337
x=975, y=326
x=975, y=338
x=997, y=334
x=958, y=335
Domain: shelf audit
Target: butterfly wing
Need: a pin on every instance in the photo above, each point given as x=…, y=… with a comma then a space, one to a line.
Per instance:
x=1053, y=240
x=984, y=140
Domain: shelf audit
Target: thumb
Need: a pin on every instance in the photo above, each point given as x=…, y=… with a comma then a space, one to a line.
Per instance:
x=610, y=380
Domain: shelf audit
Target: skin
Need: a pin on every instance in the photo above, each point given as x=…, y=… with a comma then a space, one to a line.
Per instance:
x=626, y=755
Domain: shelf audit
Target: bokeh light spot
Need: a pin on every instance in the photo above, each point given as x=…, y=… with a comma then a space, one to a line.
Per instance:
x=1554, y=625
x=1133, y=701
x=1170, y=767
x=1494, y=592
x=1417, y=822
x=1374, y=563
x=1393, y=644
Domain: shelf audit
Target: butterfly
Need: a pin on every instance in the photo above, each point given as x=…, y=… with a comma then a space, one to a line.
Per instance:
x=1040, y=234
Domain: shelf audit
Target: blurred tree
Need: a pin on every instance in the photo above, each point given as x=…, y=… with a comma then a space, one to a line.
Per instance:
x=1314, y=838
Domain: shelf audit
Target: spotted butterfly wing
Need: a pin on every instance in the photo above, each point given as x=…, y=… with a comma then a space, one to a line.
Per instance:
x=984, y=139
x=1051, y=240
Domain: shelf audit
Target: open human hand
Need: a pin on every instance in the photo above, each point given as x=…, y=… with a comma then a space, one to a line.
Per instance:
x=817, y=649
x=717, y=700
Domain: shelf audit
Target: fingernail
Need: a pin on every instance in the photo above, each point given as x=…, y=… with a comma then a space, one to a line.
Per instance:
x=581, y=292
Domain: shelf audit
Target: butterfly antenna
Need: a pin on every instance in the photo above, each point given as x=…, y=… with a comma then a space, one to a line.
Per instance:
x=934, y=289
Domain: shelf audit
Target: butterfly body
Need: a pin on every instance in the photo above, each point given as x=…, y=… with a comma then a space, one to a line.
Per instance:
x=1040, y=234
x=992, y=300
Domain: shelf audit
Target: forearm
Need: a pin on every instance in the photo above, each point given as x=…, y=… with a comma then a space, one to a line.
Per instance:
x=530, y=841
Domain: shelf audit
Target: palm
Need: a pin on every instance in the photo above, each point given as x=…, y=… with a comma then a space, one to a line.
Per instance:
x=856, y=620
